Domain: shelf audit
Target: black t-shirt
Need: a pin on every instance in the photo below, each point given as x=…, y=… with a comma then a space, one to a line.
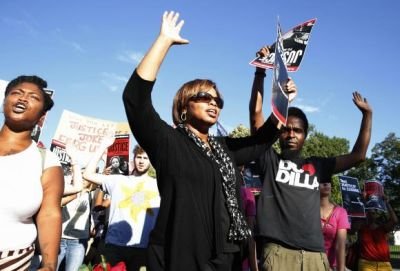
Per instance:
x=288, y=207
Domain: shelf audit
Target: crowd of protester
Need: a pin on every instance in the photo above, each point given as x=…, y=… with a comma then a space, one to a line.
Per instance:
x=197, y=214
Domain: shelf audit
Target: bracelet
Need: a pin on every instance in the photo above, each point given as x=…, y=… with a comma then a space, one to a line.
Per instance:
x=258, y=73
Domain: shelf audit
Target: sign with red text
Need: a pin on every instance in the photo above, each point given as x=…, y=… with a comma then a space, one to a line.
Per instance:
x=86, y=133
x=118, y=153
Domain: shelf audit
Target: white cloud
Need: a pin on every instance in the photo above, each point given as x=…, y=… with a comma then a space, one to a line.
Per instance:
x=308, y=108
x=114, y=77
x=76, y=46
x=130, y=57
x=20, y=24
x=109, y=86
x=112, y=81
x=58, y=33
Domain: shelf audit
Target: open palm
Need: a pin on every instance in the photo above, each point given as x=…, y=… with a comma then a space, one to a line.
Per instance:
x=361, y=102
x=171, y=28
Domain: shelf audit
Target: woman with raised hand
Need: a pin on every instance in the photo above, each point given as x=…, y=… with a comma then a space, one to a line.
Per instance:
x=200, y=225
x=31, y=179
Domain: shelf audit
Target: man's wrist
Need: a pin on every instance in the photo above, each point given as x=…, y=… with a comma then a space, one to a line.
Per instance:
x=260, y=73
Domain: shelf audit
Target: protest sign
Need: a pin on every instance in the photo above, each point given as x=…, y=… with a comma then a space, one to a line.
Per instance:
x=294, y=43
x=251, y=177
x=86, y=133
x=118, y=153
x=351, y=196
x=280, y=101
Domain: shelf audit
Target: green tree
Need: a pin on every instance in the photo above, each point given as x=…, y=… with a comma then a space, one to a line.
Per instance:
x=240, y=131
x=386, y=158
x=319, y=144
x=365, y=171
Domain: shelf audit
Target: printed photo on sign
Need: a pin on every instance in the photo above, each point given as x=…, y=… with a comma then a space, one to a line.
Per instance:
x=351, y=196
x=118, y=155
x=294, y=43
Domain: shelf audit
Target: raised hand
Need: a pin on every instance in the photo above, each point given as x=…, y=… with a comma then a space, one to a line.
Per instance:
x=72, y=152
x=361, y=103
x=107, y=142
x=171, y=28
x=291, y=89
x=263, y=52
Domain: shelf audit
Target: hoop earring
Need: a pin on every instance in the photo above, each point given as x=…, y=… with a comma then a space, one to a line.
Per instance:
x=183, y=116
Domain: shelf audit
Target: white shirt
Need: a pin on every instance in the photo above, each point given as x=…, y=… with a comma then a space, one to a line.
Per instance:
x=21, y=195
x=135, y=203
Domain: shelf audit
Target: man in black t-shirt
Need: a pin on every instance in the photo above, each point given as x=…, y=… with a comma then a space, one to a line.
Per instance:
x=288, y=214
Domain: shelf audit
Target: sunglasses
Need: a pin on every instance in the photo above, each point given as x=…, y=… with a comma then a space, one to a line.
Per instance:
x=205, y=97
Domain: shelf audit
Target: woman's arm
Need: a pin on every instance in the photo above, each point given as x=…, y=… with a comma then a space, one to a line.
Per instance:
x=76, y=184
x=67, y=199
x=169, y=35
x=341, y=236
x=48, y=218
x=145, y=123
x=90, y=171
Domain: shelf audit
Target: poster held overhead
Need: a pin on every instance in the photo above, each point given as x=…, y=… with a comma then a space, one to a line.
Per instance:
x=280, y=101
x=294, y=43
x=351, y=196
x=118, y=155
x=85, y=133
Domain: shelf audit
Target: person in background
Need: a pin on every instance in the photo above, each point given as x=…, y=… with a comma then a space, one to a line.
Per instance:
x=249, y=206
x=334, y=223
x=100, y=214
x=76, y=217
x=373, y=238
x=200, y=225
x=31, y=179
x=288, y=212
x=133, y=210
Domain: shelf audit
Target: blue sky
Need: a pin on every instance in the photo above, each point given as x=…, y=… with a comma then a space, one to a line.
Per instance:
x=86, y=50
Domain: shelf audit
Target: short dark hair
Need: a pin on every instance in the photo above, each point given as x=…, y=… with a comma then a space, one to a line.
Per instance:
x=298, y=113
x=138, y=150
x=39, y=82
